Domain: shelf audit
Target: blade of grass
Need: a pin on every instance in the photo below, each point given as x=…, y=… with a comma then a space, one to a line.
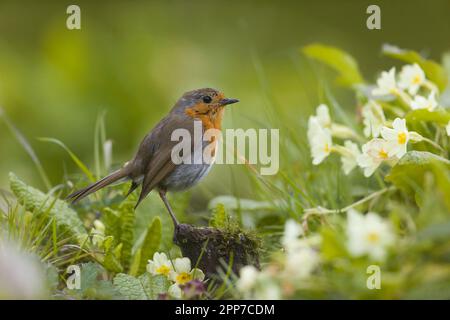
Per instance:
x=26, y=145
x=75, y=159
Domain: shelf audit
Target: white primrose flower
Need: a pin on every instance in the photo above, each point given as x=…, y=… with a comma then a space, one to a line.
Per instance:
x=323, y=115
x=373, y=119
x=368, y=235
x=248, y=276
x=349, y=157
x=411, y=77
x=292, y=230
x=301, y=261
x=386, y=83
x=269, y=291
x=373, y=154
x=159, y=265
x=319, y=140
x=397, y=138
x=447, y=128
x=182, y=274
x=421, y=102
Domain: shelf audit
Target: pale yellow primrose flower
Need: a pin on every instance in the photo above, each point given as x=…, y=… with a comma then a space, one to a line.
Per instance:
x=373, y=154
x=182, y=274
x=301, y=261
x=397, y=138
x=373, y=119
x=269, y=291
x=386, y=83
x=319, y=140
x=323, y=115
x=447, y=128
x=292, y=230
x=368, y=235
x=248, y=276
x=159, y=265
x=349, y=157
x=421, y=102
x=411, y=77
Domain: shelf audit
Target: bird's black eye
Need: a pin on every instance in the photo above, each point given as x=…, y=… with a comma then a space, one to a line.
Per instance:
x=207, y=99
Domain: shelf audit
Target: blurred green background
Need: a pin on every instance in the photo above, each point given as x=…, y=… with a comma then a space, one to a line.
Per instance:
x=133, y=59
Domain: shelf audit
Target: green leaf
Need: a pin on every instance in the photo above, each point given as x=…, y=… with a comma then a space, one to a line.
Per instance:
x=332, y=245
x=130, y=287
x=145, y=287
x=127, y=219
x=134, y=266
x=340, y=61
x=91, y=285
x=35, y=201
x=151, y=243
x=439, y=116
x=111, y=262
x=154, y=285
x=432, y=69
x=409, y=172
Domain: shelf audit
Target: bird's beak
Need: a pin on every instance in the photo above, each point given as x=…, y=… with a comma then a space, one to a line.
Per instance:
x=226, y=101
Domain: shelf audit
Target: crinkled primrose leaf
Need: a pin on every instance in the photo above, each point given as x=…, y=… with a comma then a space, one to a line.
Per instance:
x=145, y=287
x=408, y=173
x=39, y=203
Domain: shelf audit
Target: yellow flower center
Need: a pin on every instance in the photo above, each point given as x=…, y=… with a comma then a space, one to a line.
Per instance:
x=183, y=277
x=416, y=79
x=401, y=138
x=326, y=148
x=382, y=154
x=373, y=237
x=165, y=270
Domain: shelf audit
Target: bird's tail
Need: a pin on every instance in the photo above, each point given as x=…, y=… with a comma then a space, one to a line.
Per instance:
x=106, y=181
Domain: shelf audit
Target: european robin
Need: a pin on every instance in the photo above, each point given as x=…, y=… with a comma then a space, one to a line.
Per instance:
x=152, y=166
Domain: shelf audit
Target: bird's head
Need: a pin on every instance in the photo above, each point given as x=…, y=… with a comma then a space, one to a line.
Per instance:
x=204, y=104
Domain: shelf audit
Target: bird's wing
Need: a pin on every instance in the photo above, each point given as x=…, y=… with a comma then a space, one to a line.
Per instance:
x=161, y=163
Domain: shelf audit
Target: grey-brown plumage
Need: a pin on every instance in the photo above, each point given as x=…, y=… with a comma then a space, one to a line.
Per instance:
x=152, y=166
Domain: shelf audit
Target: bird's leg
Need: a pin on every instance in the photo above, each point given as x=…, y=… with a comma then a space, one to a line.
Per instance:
x=162, y=194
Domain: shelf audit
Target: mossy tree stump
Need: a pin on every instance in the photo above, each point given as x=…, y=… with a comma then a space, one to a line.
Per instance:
x=216, y=248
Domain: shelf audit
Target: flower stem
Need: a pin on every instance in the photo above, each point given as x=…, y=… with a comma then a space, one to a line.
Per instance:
x=434, y=144
x=323, y=211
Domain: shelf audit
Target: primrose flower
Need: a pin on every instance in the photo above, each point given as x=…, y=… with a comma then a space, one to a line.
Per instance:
x=301, y=262
x=373, y=119
x=429, y=103
x=373, y=154
x=292, y=230
x=319, y=140
x=323, y=115
x=447, y=128
x=182, y=274
x=397, y=138
x=368, y=235
x=159, y=265
x=386, y=83
x=269, y=291
x=349, y=157
x=411, y=77
x=248, y=276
